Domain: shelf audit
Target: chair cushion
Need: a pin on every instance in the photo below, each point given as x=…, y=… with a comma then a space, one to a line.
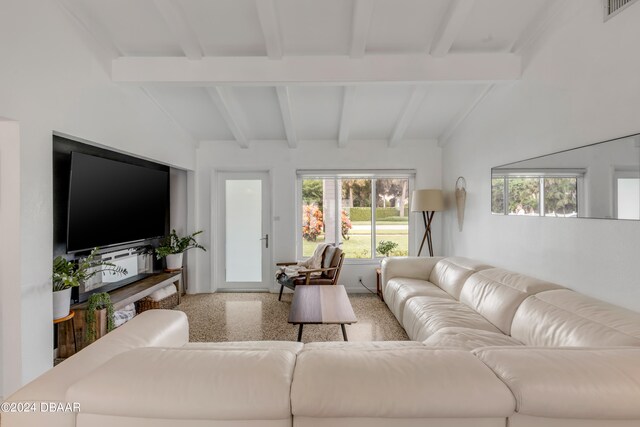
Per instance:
x=424, y=316
x=468, y=339
x=327, y=256
x=400, y=289
x=334, y=263
x=300, y=281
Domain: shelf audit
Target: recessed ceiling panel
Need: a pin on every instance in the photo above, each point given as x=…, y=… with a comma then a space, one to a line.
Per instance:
x=404, y=26
x=261, y=110
x=316, y=111
x=226, y=28
x=134, y=27
x=312, y=27
x=194, y=110
x=441, y=106
x=495, y=25
x=377, y=109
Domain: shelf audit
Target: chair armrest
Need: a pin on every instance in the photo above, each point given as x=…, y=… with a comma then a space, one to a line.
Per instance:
x=284, y=264
x=317, y=270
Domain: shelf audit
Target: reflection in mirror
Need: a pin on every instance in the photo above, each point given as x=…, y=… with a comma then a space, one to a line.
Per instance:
x=595, y=181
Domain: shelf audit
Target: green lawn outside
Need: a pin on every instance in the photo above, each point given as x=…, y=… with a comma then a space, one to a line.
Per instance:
x=358, y=245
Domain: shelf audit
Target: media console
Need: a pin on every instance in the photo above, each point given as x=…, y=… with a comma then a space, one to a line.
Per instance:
x=120, y=298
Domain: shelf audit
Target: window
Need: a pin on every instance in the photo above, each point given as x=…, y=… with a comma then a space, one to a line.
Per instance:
x=356, y=210
x=541, y=195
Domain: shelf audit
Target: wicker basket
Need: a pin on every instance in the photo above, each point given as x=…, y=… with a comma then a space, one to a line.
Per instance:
x=147, y=303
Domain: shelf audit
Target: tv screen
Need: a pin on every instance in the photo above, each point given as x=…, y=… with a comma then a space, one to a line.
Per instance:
x=112, y=203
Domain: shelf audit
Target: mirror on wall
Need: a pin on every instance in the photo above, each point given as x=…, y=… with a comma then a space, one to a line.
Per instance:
x=595, y=181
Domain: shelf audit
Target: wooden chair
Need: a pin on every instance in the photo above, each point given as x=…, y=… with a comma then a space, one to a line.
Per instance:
x=327, y=276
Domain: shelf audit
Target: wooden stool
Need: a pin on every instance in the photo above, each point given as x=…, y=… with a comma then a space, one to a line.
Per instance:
x=70, y=316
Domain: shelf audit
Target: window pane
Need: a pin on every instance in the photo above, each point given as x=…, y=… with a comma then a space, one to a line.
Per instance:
x=355, y=233
x=524, y=196
x=628, y=198
x=497, y=195
x=392, y=217
x=313, y=202
x=560, y=197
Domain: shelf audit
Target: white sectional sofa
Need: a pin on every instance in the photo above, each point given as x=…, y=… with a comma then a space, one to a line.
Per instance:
x=491, y=348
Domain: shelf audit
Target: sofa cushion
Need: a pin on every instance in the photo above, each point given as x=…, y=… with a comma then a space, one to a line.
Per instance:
x=450, y=273
x=497, y=293
x=411, y=267
x=190, y=384
x=424, y=316
x=468, y=339
x=400, y=289
x=570, y=383
x=424, y=383
x=566, y=318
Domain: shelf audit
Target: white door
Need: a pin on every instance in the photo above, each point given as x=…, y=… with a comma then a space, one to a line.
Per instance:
x=244, y=251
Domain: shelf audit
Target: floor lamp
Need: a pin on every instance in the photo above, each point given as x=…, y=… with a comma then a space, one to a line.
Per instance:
x=428, y=202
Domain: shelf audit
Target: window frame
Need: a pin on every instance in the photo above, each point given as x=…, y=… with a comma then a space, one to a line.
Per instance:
x=338, y=175
x=541, y=175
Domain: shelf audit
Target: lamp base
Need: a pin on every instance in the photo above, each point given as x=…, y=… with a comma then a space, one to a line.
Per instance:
x=427, y=216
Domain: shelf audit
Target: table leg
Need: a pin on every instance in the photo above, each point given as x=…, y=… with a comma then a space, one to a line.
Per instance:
x=344, y=332
x=73, y=331
x=300, y=333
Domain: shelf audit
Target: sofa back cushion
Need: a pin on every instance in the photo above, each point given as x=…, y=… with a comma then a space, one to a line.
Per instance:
x=566, y=318
x=497, y=293
x=450, y=273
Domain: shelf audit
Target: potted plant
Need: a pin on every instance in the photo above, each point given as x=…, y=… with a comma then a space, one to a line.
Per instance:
x=385, y=247
x=173, y=246
x=99, y=317
x=69, y=274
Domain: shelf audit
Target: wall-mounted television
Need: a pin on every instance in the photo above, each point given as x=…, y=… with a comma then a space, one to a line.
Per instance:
x=111, y=203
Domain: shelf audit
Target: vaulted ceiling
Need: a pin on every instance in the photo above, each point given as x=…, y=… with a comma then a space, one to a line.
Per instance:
x=328, y=71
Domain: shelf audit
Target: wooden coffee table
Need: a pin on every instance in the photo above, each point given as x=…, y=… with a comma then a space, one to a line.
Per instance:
x=326, y=305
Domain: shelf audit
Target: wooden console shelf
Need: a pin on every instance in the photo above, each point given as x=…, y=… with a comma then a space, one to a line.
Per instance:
x=120, y=298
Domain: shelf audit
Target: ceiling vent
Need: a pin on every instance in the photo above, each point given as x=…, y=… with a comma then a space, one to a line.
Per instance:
x=614, y=7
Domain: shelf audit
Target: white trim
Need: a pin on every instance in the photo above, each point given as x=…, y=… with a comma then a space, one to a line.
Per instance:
x=287, y=115
x=356, y=173
x=348, y=102
x=230, y=110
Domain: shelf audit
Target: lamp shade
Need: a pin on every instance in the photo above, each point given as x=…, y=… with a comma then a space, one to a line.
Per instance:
x=427, y=200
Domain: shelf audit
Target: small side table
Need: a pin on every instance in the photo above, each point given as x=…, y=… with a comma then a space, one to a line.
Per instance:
x=379, y=283
x=70, y=316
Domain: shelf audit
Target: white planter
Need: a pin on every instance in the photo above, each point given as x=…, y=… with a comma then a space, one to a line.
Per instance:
x=61, y=303
x=174, y=262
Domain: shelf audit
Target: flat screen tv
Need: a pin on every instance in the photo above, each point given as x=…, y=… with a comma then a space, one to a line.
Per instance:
x=113, y=203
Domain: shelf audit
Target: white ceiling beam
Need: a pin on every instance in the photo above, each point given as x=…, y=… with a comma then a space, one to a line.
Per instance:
x=287, y=115
x=540, y=24
x=362, y=15
x=78, y=13
x=410, y=110
x=270, y=28
x=231, y=113
x=318, y=70
x=176, y=20
x=154, y=99
x=460, y=118
x=348, y=103
x=453, y=22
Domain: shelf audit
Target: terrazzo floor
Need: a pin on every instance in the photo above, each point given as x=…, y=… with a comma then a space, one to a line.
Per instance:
x=260, y=316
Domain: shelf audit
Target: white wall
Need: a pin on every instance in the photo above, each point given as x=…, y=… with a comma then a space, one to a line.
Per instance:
x=10, y=363
x=283, y=162
x=50, y=79
x=580, y=86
